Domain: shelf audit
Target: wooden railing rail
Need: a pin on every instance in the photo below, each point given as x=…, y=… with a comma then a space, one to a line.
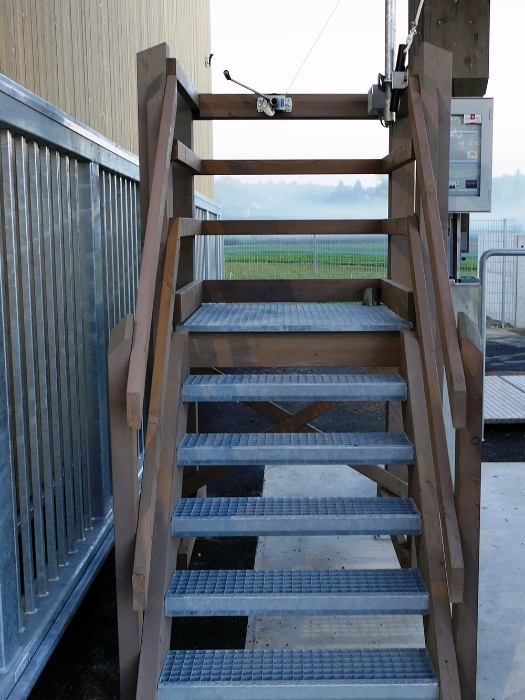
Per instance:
x=428, y=546
x=440, y=280
x=150, y=258
x=438, y=438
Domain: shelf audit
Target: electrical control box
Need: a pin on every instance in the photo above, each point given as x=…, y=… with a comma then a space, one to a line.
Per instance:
x=470, y=175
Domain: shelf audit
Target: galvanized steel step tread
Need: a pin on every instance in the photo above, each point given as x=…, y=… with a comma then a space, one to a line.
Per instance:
x=292, y=592
x=204, y=517
x=291, y=317
x=294, y=448
x=294, y=387
x=306, y=674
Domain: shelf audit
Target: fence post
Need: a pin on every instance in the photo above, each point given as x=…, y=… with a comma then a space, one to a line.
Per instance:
x=520, y=285
x=95, y=341
x=10, y=612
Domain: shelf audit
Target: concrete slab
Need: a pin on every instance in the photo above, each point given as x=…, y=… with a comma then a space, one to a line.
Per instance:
x=355, y=552
x=501, y=640
x=501, y=644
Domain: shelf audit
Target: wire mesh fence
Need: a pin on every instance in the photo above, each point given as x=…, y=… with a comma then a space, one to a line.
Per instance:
x=295, y=257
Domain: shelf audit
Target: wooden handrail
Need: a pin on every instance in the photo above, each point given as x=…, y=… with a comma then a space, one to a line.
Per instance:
x=438, y=438
x=290, y=227
x=159, y=380
x=429, y=548
x=441, y=285
x=150, y=257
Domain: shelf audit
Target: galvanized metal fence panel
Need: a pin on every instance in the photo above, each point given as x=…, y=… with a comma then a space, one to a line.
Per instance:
x=502, y=281
x=69, y=266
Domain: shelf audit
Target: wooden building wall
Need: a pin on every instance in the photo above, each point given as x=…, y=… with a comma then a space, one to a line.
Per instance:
x=80, y=55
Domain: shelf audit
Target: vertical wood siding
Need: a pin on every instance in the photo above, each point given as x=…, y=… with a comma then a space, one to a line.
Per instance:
x=80, y=55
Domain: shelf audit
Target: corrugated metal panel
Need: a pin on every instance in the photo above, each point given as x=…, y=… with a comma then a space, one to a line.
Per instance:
x=81, y=57
x=504, y=399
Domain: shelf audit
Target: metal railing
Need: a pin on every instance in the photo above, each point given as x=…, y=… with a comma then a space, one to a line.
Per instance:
x=69, y=254
x=69, y=259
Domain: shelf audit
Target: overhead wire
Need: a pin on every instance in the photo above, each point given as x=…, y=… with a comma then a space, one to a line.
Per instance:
x=313, y=45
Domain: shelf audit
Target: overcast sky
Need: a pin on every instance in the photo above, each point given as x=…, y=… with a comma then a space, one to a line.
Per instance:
x=263, y=44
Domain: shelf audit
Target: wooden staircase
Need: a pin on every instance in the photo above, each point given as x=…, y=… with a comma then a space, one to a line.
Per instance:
x=165, y=360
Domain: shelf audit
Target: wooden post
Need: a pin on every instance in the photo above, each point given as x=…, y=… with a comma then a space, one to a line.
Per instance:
x=429, y=546
x=125, y=504
x=468, y=494
x=463, y=29
x=157, y=627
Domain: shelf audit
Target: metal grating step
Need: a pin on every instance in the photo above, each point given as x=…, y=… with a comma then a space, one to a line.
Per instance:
x=294, y=448
x=266, y=592
x=291, y=317
x=204, y=517
x=348, y=674
x=294, y=387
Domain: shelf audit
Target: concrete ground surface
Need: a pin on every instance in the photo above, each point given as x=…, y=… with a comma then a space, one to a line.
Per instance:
x=85, y=663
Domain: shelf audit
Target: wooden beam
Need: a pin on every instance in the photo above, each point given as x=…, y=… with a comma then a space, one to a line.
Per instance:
x=293, y=167
x=187, y=227
x=294, y=349
x=151, y=83
x=159, y=380
x=286, y=290
x=401, y=202
x=150, y=259
x=399, y=299
x=429, y=546
x=184, y=156
x=463, y=29
x=125, y=504
x=255, y=227
x=157, y=627
x=468, y=495
x=187, y=89
x=441, y=284
x=244, y=106
x=401, y=155
x=187, y=300
x=451, y=537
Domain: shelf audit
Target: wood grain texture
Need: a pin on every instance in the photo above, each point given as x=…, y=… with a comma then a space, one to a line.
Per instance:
x=399, y=157
x=275, y=227
x=157, y=396
x=468, y=496
x=150, y=258
x=294, y=349
x=428, y=547
x=313, y=106
x=157, y=627
x=463, y=29
x=438, y=437
x=441, y=284
x=399, y=299
x=285, y=290
x=80, y=56
x=187, y=300
x=124, y=466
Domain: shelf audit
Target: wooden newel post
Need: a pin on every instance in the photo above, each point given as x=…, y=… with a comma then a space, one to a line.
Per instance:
x=468, y=494
x=125, y=504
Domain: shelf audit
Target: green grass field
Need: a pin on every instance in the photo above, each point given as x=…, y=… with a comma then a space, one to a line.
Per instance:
x=296, y=259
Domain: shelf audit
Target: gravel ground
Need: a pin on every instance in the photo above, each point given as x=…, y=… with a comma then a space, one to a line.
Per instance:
x=85, y=663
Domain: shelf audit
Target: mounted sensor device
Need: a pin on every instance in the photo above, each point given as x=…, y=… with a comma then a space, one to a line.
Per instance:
x=269, y=104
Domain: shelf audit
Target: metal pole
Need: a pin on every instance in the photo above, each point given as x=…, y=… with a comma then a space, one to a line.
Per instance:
x=516, y=252
x=315, y=256
x=390, y=43
x=503, y=277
